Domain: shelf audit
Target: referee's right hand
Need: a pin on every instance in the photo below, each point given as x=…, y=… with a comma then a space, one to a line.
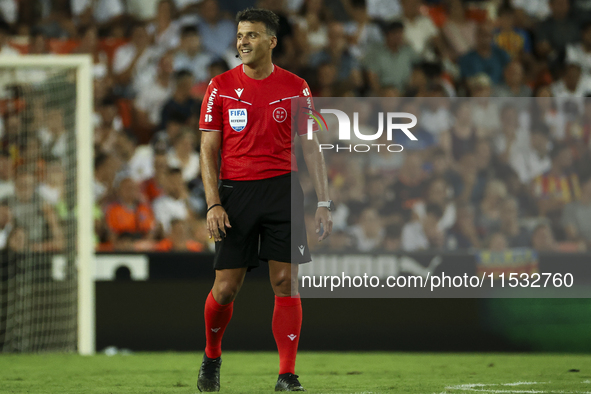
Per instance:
x=217, y=223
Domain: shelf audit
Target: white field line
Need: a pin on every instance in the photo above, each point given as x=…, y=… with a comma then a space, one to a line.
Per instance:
x=481, y=387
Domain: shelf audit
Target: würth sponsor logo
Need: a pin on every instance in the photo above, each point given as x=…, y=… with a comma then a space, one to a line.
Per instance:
x=210, y=101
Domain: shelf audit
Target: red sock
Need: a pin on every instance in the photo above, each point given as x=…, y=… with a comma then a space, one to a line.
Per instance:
x=287, y=322
x=217, y=318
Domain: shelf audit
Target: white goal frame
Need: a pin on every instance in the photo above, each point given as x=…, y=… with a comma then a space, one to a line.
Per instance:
x=84, y=180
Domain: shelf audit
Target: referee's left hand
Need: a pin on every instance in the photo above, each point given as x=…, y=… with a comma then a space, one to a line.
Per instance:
x=217, y=223
x=324, y=217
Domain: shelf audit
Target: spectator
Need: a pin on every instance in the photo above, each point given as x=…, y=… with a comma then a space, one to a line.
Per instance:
x=576, y=218
x=155, y=186
x=435, y=116
x=497, y=242
x=424, y=233
x=101, y=11
x=6, y=175
x=37, y=219
x=105, y=170
x=463, y=235
x=134, y=63
x=513, y=40
x=489, y=210
x=129, y=214
x=485, y=111
x=311, y=27
x=534, y=159
x=441, y=168
x=411, y=184
x=53, y=136
x=542, y=239
x=516, y=235
x=163, y=139
x=338, y=54
x=536, y=9
x=164, y=31
x=38, y=44
x=580, y=52
x=485, y=58
x=181, y=100
x=382, y=199
x=572, y=86
x=369, y=232
x=513, y=85
x=5, y=223
x=218, y=34
x=362, y=33
x=107, y=125
x=182, y=155
x=89, y=45
x=513, y=139
x=392, y=241
x=151, y=98
x=462, y=137
x=419, y=30
x=52, y=188
x=459, y=31
x=438, y=193
x=556, y=31
x=395, y=56
x=173, y=204
x=178, y=239
x=473, y=180
x=190, y=56
x=17, y=240
x=556, y=187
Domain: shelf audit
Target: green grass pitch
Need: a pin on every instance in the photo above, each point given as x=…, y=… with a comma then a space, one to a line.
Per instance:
x=319, y=373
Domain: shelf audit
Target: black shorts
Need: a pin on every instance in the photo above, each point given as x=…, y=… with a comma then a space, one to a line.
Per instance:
x=262, y=214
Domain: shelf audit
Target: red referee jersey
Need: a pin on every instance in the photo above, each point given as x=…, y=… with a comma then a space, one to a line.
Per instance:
x=255, y=119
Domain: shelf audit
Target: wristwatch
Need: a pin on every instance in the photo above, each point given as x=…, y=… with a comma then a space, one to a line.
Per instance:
x=327, y=204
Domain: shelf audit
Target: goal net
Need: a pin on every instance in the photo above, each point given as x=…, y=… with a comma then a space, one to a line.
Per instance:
x=46, y=291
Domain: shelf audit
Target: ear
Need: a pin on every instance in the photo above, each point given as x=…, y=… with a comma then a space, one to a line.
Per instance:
x=273, y=42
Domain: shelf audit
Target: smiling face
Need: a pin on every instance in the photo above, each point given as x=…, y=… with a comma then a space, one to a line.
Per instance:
x=253, y=43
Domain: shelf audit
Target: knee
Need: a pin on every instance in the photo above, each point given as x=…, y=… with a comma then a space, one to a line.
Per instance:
x=284, y=285
x=225, y=292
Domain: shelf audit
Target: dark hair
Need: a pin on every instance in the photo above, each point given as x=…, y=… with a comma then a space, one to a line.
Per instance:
x=174, y=171
x=393, y=231
x=177, y=117
x=186, y=30
x=221, y=63
x=557, y=149
x=4, y=27
x=396, y=25
x=540, y=128
x=180, y=74
x=505, y=9
x=434, y=210
x=585, y=26
x=268, y=18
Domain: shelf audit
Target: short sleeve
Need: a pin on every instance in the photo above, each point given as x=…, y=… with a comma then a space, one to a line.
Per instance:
x=305, y=111
x=211, y=117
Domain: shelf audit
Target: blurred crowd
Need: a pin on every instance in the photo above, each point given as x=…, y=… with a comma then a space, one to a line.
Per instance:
x=486, y=172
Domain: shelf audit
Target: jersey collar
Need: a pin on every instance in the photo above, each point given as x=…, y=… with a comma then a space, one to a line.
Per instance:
x=272, y=71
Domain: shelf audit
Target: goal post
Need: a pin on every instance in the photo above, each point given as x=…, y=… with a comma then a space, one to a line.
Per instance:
x=79, y=236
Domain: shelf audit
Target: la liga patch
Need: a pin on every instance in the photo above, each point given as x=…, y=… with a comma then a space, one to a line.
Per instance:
x=238, y=119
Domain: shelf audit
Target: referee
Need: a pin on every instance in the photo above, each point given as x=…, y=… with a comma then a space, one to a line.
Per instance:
x=246, y=115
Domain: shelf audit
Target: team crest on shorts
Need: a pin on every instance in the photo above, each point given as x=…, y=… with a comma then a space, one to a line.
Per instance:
x=280, y=114
x=238, y=119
